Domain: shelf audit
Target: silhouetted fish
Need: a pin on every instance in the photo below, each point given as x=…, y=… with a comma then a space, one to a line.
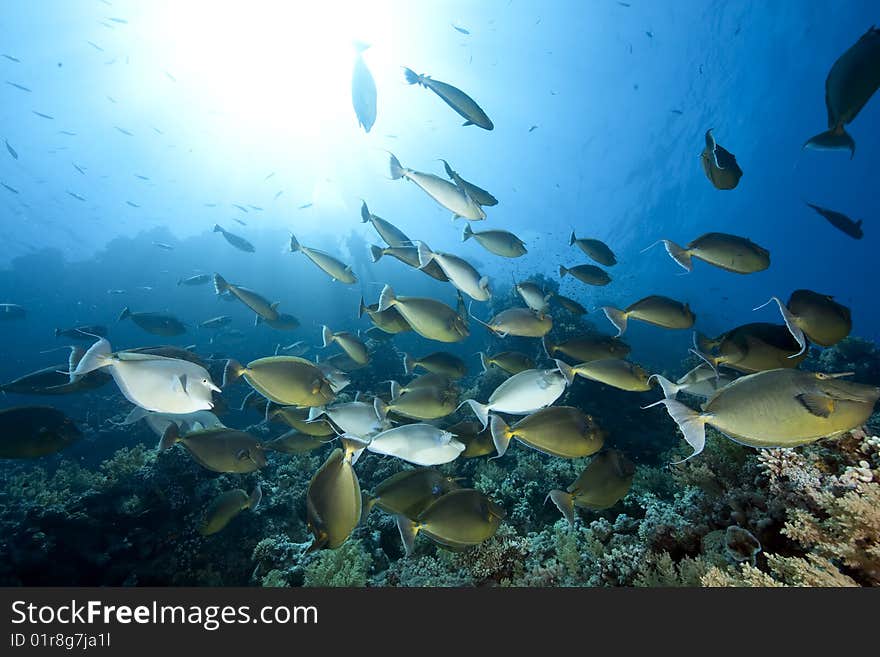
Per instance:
x=840, y=221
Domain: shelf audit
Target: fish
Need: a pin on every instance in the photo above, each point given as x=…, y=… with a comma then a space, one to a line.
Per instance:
x=286, y=380
x=277, y=194
x=752, y=348
x=284, y=322
x=76, y=196
x=198, y=279
x=408, y=492
x=392, y=235
x=563, y=431
x=11, y=311
x=42, y=115
x=155, y=323
x=445, y=193
x=728, y=252
x=741, y=545
x=253, y=300
x=595, y=249
x=95, y=46
x=350, y=343
x=438, y=362
x=603, y=483
x=56, y=379
x=304, y=206
x=12, y=59
x=429, y=318
x=169, y=76
x=615, y=372
x=430, y=380
x=294, y=442
x=587, y=348
x=128, y=133
x=363, y=90
x=522, y=322
x=720, y=165
x=456, y=520
x=238, y=242
x=409, y=255
x=459, y=271
x=525, y=393
x=499, y=242
x=655, y=309
x=255, y=207
x=389, y=321
x=852, y=80
x=533, y=128
x=84, y=332
x=21, y=88
x=477, y=441
x=28, y=432
x=11, y=189
x=11, y=150
x=815, y=316
x=240, y=222
x=841, y=222
x=777, y=408
x=298, y=419
x=460, y=29
x=422, y=403
x=702, y=381
x=153, y=382
x=116, y=291
x=357, y=418
x=589, y=274
x=533, y=296
x=269, y=176
x=240, y=207
x=478, y=194
x=79, y=168
x=420, y=444
x=186, y=422
x=512, y=362
x=335, y=269
x=216, y=322
x=163, y=245
x=333, y=499
x=338, y=379
x=218, y=449
x=226, y=506
x=67, y=132
x=464, y=105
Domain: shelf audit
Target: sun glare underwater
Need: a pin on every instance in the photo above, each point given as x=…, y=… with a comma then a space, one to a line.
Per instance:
x=394, y=293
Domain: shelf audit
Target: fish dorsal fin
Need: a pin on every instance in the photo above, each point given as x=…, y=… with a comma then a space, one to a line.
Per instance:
x=818, y=404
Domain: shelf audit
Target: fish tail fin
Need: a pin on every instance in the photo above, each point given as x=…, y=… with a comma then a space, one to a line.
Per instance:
x=616, y=317
x=480, y=410
x=572, y=239
x=255, y=498
x=691, y=424
x=791, y=322
x=549, y=347
x=326, y=335
x=397, y=170
x=170, y=437
x=409, y=364
x=126, y=312
x=564, y=502
x=501, y=435
x=365, y=212
x=362, y=308
x=566, y=370
x=220, y=284
x=411, y=76
x=97, y=356
x=232, y=372
x=386, y=298
x=294, y=244
x=670, y=389
x=680, y=255
x=408, y=530
x=425, y=255
x=381, y=408
x=562, y=271
x=76, y=355
x=484, y=362
x=218, y=228
x=467, y=233
x=836, y=137
x=353, y=447
x=395, y=390
x=57, y=332
x=368, y=501
x=376, y=252
x=314, y=413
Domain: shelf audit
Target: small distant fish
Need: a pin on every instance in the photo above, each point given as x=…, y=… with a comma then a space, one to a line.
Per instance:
x=67, y=132
x=269, y=176
x=840, y=221
x=79, y=168
x=76, y=196
x=146, y=288
x=460, y=29
x=169, y=76
x=115, y=291
x=18, y=86
x=11, y=150
x=12, y=59
x=240, y=222
x=210, y=205
x=679, y=112
x=95, y=46
x=158, y=131
x=11, y=189
x=624, y=4
x=163, y=245
x=123, y=131
x=649, y=34
x=307, y=205
x=134, y=205
x=533, y=128
x=240, y=207
x=464, y=105
x=137, y=175
x=277, y=195
x=198, y=279
x=111, y=99
x=255, y=207
x=121, y=21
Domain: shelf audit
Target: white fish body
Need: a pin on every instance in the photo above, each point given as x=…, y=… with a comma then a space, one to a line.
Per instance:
x=354, y=418
x=186, y=422
x=526, y=392
x=421, y=444
x=447, y=194
x=459, y=272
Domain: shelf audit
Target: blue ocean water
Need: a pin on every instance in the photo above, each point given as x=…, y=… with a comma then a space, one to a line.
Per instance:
x=150, y=122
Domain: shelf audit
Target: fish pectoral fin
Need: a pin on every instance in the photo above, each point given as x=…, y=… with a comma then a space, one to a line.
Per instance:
x=467, y=123
x=818, y=404
x=178, y=383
